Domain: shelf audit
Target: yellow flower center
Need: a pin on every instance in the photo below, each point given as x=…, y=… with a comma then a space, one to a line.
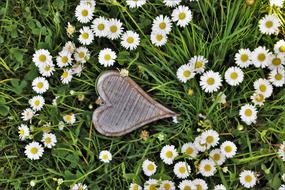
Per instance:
x=135, y=187
x=107, y=57
x=101, y=26
x=34, y=150
x=105, y=157
x=64, y=59
x=48, y=140
x=207, y=167
x=186, y=73
x=81, y=54
x=37, y=103
x=248, y=112
x=269, y=24
x=261, y=57
x=276, y=61
x=22, y=132
x=84, y=12
x=259, y=98
x=278, y=76
x=65, y=74
x=228, y=149
x=210, y=139
x=130, y=40
x=234, y=75
x=262, y=88
x=80, y=188
x=282, y=49
x=68, y=117
x=244, y=57
x=42, y=58
x=47, y=68
x=40, y=85
x=159, y=37
x=187, y=188
x=167, y=186
x=152, y=187
x=248, y=178
x=182, y=169
x=199, y=187
x=169, y=154
x=181, y=16
x=284, y=149
x=198, y=64
x=85, y=35
x=162, y=25
x=113, y=28
x=189, y=150
x=150, y=167
x=211, y=81
x=216, y=157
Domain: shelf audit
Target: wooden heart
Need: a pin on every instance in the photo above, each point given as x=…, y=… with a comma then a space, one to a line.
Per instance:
x=125, y=107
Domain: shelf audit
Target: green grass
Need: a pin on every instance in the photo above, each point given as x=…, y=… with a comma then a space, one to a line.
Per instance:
x=218, y=30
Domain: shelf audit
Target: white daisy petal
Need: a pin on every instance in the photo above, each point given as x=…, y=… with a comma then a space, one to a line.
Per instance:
x=130, y=40
x=269, y=24
x=49, y=140
x=24, y=132
x=200, y=184
x=149, y=167
x=198, y=62
x=168, y=154
x=114, y=29
x=84, y=13
x=86, y=36
x=234, y=76
x=190, y=150
x=243, y=58
x=42, y=57
x=185, y=73
x=158, y=39
x=260, y=57
x=100, y=27
x=248, y=114
x=207, y=167
x=247, y=178
x=167, y=185
x=105, y=156
x=66, y=76
x=81, y=55
x=210, y=81
x=182, y=15
x=277, y=77
x=171, y=3
x=263, y=86
x=34, y=150
x=161, y=24
x=107, y=57
x=228, y=148
x=135, y=3
x=182, y=170
x=279, y=47
x=217, y=156
x=37, y=103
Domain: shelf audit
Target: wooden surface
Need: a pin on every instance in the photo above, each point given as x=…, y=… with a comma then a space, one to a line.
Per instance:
x=126, y=106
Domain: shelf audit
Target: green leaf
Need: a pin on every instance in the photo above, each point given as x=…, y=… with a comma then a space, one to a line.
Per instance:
x=4, y=110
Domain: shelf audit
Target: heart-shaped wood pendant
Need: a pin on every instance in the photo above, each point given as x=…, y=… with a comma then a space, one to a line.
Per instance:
x=125, y=107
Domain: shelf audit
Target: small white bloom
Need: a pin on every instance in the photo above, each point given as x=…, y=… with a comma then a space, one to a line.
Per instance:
x=69, y=118
x=107, y=57
x=34, y=150
x=82, y=55
x=168, y=154
x=282, y=187
x=86, y=36
x=279, y=47
x=77, y=69
x=276, y=61
x=281, y=151
x=234, y=76
x=47, y=70
x=182, y=170
x=135, y=186
x=217, y=156
x=49, y=140
x=100, y=27
x=171, y=3
x=247, y=178
x=260, y=57
x=243, y=58
x=63, y=59
x=210, y=138
x=161, y=24
x=149, y=167
x=210, y=81
x=277, y=3
x=158, y=39
x=79, y=186
x=257, y=99
x=84, y=13
x=198, y=62
x=229, y=149
x=40, y=85
x=90, y=3
x=199, y=145
x=37, y=103
x=135, y=3
x=186, y=185
x=66, y=76
x=263, y=86
x=114, y=29
x=185, y=73
x=151, y=184
x=105, y=156
x=277, y=77
x=207, y=167
x=182, y=15
x=190, y=150
x=27, y=114
x=200, y=184
x=33, y=183
x=42, y=57
x=269, y=24
x=248, y=114
x=167, y=185
x=24, y=132
x=220, y=187
x=130, y=40
x=221, y=98
x=69, y=47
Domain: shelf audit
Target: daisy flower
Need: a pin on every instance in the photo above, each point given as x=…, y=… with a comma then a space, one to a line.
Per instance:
x=135, y=186
x=207, y=167
x=279, y=47
x=63, y=59
x=105, y=156
x=69, y=118
x=210, y=138
x=220, y=187
x=90, y=3
x=168, y=154
x=34, y=150
x=69, y=47
x=269, y=24
x=42, y=57
x=277, y=3
x=40, y=85
x=260, y=57
x=77, y=69
x=186, y=185
x=277, y=77
x=47, y=70
x=185, y=73
x=242, y=58
x=130, y=40
x=79, y=186
x=114, y=29
x=24, y=132
x=86, y=35
x=27, y=114
x=84, y=13
x=190, y=150
x=149, y=167
x=66, y=76
x=257, y=99
x=217, y=156
x=70, y=29
x=182, y=15
x=248, y=114
x=49, y=140
x=171, y=3
x=281, y=151
x=228, y=149
x=210, y=81
x=182, y=170
x=234, y=76
x=161, y=24
x=199, y=145
x=282, y=187
x=200, y=184
x=100, y=27
x=167, y=185
x=198, y=62
x=158, y=39
x=151, y=184
x=276, y=61
x=247, y=178
x=81, y=55
x=37, y=103
x=107, y=57
x=263, y=86
x=135, y=3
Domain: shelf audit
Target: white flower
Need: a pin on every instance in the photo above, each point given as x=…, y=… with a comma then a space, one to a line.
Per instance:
x=79, y=186
x=167, y=185
x=158, y=39
x=77, y=69
x=69, y=47
x=281, y=151
x=210, y=81
x=27, y=114
x=47, y=70
x=49, y=140
x=182, y=15
x=277, y=77
x=282, y=187
x=229, y=149
x=207, y=167
x=70, y=29
x=40, y=85
x=90, y=3
x=221, y=98
x=105, y=156
x=190, y=150
x=135, y=186
x=279, y=47
x=37, y=103
x=217, y=156
x=81, y=55
x=151, y=184
x=69, y=118
x=248, y=114
x=234, y=76
x=199, y=145
x=210, y=138
x=135, y=3
x=269, y=24
x=42, y=57
x=24, y=132
x=247, y=178
x=200, y=184
x=257, y=99
x=220, y=187
x=198, y=62
x=260, y=57
x=61, y=125
x=277, y=3
x=66, y=76
x=100, y=27
x=114, y=29
x=171, y=3
x=107, y=57
x=185, y=73
x=182, y=170
x=34, y=150
x=263, y=86
x=63, y=59
x=161, y=24
x=276, y=61
x=243, y=58
x=149, y=167
x=130, y=40
x=186, y=185
x=86, y=36
x=168, y=154
x=84, y=13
